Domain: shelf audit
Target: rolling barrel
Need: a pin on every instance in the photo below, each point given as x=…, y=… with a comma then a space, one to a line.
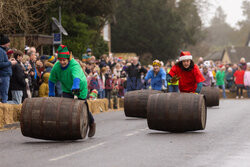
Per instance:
x=212, y=95
x=53, y=118
x=135, y=102
x=176, y=112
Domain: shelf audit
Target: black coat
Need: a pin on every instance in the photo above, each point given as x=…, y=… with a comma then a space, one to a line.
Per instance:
x=17, y=81
x=134, y=71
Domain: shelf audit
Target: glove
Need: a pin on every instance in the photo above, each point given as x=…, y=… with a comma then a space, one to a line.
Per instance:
x=75, y=91
x=174, y=79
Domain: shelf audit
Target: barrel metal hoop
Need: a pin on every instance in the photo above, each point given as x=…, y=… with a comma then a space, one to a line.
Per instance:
x=30, y=119
x=42, y=116
x=22, y=115
x=58, y=115
x=70, y=117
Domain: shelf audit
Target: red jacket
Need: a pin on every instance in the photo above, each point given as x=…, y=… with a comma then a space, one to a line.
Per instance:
x=188, y=79
x=239, y=77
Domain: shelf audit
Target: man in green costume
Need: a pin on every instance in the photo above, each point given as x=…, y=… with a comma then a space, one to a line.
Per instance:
x=69, y=72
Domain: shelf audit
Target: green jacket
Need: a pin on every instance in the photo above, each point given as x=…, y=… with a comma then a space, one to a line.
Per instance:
x=67, y=76
x=220, y=76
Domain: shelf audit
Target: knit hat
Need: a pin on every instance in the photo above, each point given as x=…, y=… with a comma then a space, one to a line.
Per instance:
x=63, y=52
x=248, y=64
x=4, y=39
x=52, y=59
x=93, y=94
x=88, y=50
x=185, y=55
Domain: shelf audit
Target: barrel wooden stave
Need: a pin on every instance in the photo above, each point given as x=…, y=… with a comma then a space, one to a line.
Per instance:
x=176, y=112
x=135, y=103
x=54, y=118
x=212, y=95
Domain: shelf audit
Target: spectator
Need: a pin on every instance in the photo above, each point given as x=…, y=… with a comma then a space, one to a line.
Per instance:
x=200, y=62
x=229, y=78
x=134, y=75
x=243, y=63
x=86, y=57
x=33, y=74
x=207, y=75
x=5, y=68
x=102, y=83
x=220, y=76
x=44, y=88
x=94, y=83
x=17, y=82
x=104, y=61
x=49, y=63
x=235, y=68
x=108, y=87
x=117, y=70
x=93, y=94
x=10, y=54
x=247, y=79
x=239, y=81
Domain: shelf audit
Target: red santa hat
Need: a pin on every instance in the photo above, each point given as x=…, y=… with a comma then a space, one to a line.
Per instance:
x=185, y=55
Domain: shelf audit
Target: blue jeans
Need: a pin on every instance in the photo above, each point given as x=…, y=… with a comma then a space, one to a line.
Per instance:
x=17, y=96
x=173, y=88
x=90, y=116
x=248, y=91
x=4, y=88
x=101, y=94
x=223, y=90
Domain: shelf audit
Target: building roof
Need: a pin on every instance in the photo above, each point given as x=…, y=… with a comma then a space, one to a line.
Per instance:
x=215, y=56
x=235, y=53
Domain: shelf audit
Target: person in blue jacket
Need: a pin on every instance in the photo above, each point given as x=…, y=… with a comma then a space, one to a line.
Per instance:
x=157, y=76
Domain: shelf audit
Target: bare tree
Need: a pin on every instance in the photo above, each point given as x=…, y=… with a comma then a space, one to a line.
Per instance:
x=23, y=16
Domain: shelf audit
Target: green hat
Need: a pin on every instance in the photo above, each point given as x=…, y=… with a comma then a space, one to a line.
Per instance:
x=63, y=52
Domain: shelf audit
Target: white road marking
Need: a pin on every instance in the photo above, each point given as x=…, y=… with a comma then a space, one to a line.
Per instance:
x=77, y=152
x=135, y=132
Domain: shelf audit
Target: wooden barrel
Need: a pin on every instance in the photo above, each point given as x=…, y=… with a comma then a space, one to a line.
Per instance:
x=135, y=102
x=212, y=95
x=176, y=112
x=53, y=118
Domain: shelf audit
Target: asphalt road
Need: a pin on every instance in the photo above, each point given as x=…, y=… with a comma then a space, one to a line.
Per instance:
x=127, y=142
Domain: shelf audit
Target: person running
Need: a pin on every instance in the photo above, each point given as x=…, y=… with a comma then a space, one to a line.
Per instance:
x=69, y=72
x=157, y=76
x=188, y=74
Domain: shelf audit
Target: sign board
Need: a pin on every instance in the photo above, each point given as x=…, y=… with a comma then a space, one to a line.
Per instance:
x=60, y=27
x=57, y=39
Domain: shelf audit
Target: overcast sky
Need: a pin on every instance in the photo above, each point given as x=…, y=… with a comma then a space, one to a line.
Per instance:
x=232, y=8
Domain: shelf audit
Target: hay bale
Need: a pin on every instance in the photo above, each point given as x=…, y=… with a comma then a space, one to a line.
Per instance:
x=1, y=117
x=9, y=113
x=98, y=105
x=121, y=102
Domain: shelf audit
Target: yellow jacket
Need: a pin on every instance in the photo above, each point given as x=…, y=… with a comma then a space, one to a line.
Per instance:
x=44, y=88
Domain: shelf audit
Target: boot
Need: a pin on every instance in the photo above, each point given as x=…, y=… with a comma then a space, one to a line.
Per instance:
x=92, y=128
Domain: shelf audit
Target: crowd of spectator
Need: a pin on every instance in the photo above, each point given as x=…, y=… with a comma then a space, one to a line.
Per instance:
x=108, y=77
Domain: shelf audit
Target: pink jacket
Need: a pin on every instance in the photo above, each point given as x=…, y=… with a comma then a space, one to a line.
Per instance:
x=247, y=78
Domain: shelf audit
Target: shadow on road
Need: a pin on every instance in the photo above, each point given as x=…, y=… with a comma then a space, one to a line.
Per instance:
x=53, y=142
x=134, y=118
x=175, y=133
